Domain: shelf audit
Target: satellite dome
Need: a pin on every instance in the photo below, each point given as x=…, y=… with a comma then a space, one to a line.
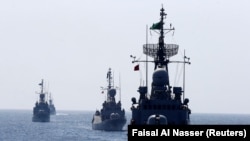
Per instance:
x=160, y=77
x=112, y=92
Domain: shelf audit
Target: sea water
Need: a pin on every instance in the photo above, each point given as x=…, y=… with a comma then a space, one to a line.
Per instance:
x=17, y=125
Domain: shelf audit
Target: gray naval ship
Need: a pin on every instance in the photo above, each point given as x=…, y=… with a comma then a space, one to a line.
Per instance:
x=41, y=111
x=111, y=117
x=165, y=105
x=52, y=106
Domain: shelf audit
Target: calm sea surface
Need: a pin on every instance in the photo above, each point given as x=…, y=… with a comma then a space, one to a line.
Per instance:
x=16, y=125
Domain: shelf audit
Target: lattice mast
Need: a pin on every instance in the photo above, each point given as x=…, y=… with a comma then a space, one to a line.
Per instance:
x=161, y=52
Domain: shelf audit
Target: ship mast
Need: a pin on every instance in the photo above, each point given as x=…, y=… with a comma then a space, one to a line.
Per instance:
x=184, y=62
x=109, y=79
x=110, y=89
x=161, y=56
x=42, y=95
x=120, y=95
x=41, y=84
x=161, y=52
x=146, y=59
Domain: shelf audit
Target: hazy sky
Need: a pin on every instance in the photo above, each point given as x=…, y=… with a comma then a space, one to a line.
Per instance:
x=71, y=44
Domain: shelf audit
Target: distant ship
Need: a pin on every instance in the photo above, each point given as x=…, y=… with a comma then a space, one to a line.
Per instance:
x=52, y=106
x=111, y=117
x=41, y=111
x=165, y=104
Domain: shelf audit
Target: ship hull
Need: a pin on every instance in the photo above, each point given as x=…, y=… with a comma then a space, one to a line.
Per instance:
x=53, y=113
x=41, y=117
x=52, y=110
x=109, y=124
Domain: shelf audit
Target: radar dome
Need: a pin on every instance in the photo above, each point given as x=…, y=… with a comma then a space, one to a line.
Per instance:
x=112, y=92
x=160, y=77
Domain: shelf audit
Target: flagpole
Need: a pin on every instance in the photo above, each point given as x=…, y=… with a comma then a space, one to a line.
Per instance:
x=120, y=86
x=147, y=58
x=184, y=76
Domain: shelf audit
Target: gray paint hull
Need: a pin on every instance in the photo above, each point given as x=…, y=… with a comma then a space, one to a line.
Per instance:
x=41, y=118
x=109, y=125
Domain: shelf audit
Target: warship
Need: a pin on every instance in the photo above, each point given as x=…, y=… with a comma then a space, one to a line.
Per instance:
x=111, y=117
x=41, y=111
x=52, y=106
x=165, y=104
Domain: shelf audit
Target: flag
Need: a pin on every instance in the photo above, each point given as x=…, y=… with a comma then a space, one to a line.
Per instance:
x=156, y=26
x=41, y=83
x=136, y=68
